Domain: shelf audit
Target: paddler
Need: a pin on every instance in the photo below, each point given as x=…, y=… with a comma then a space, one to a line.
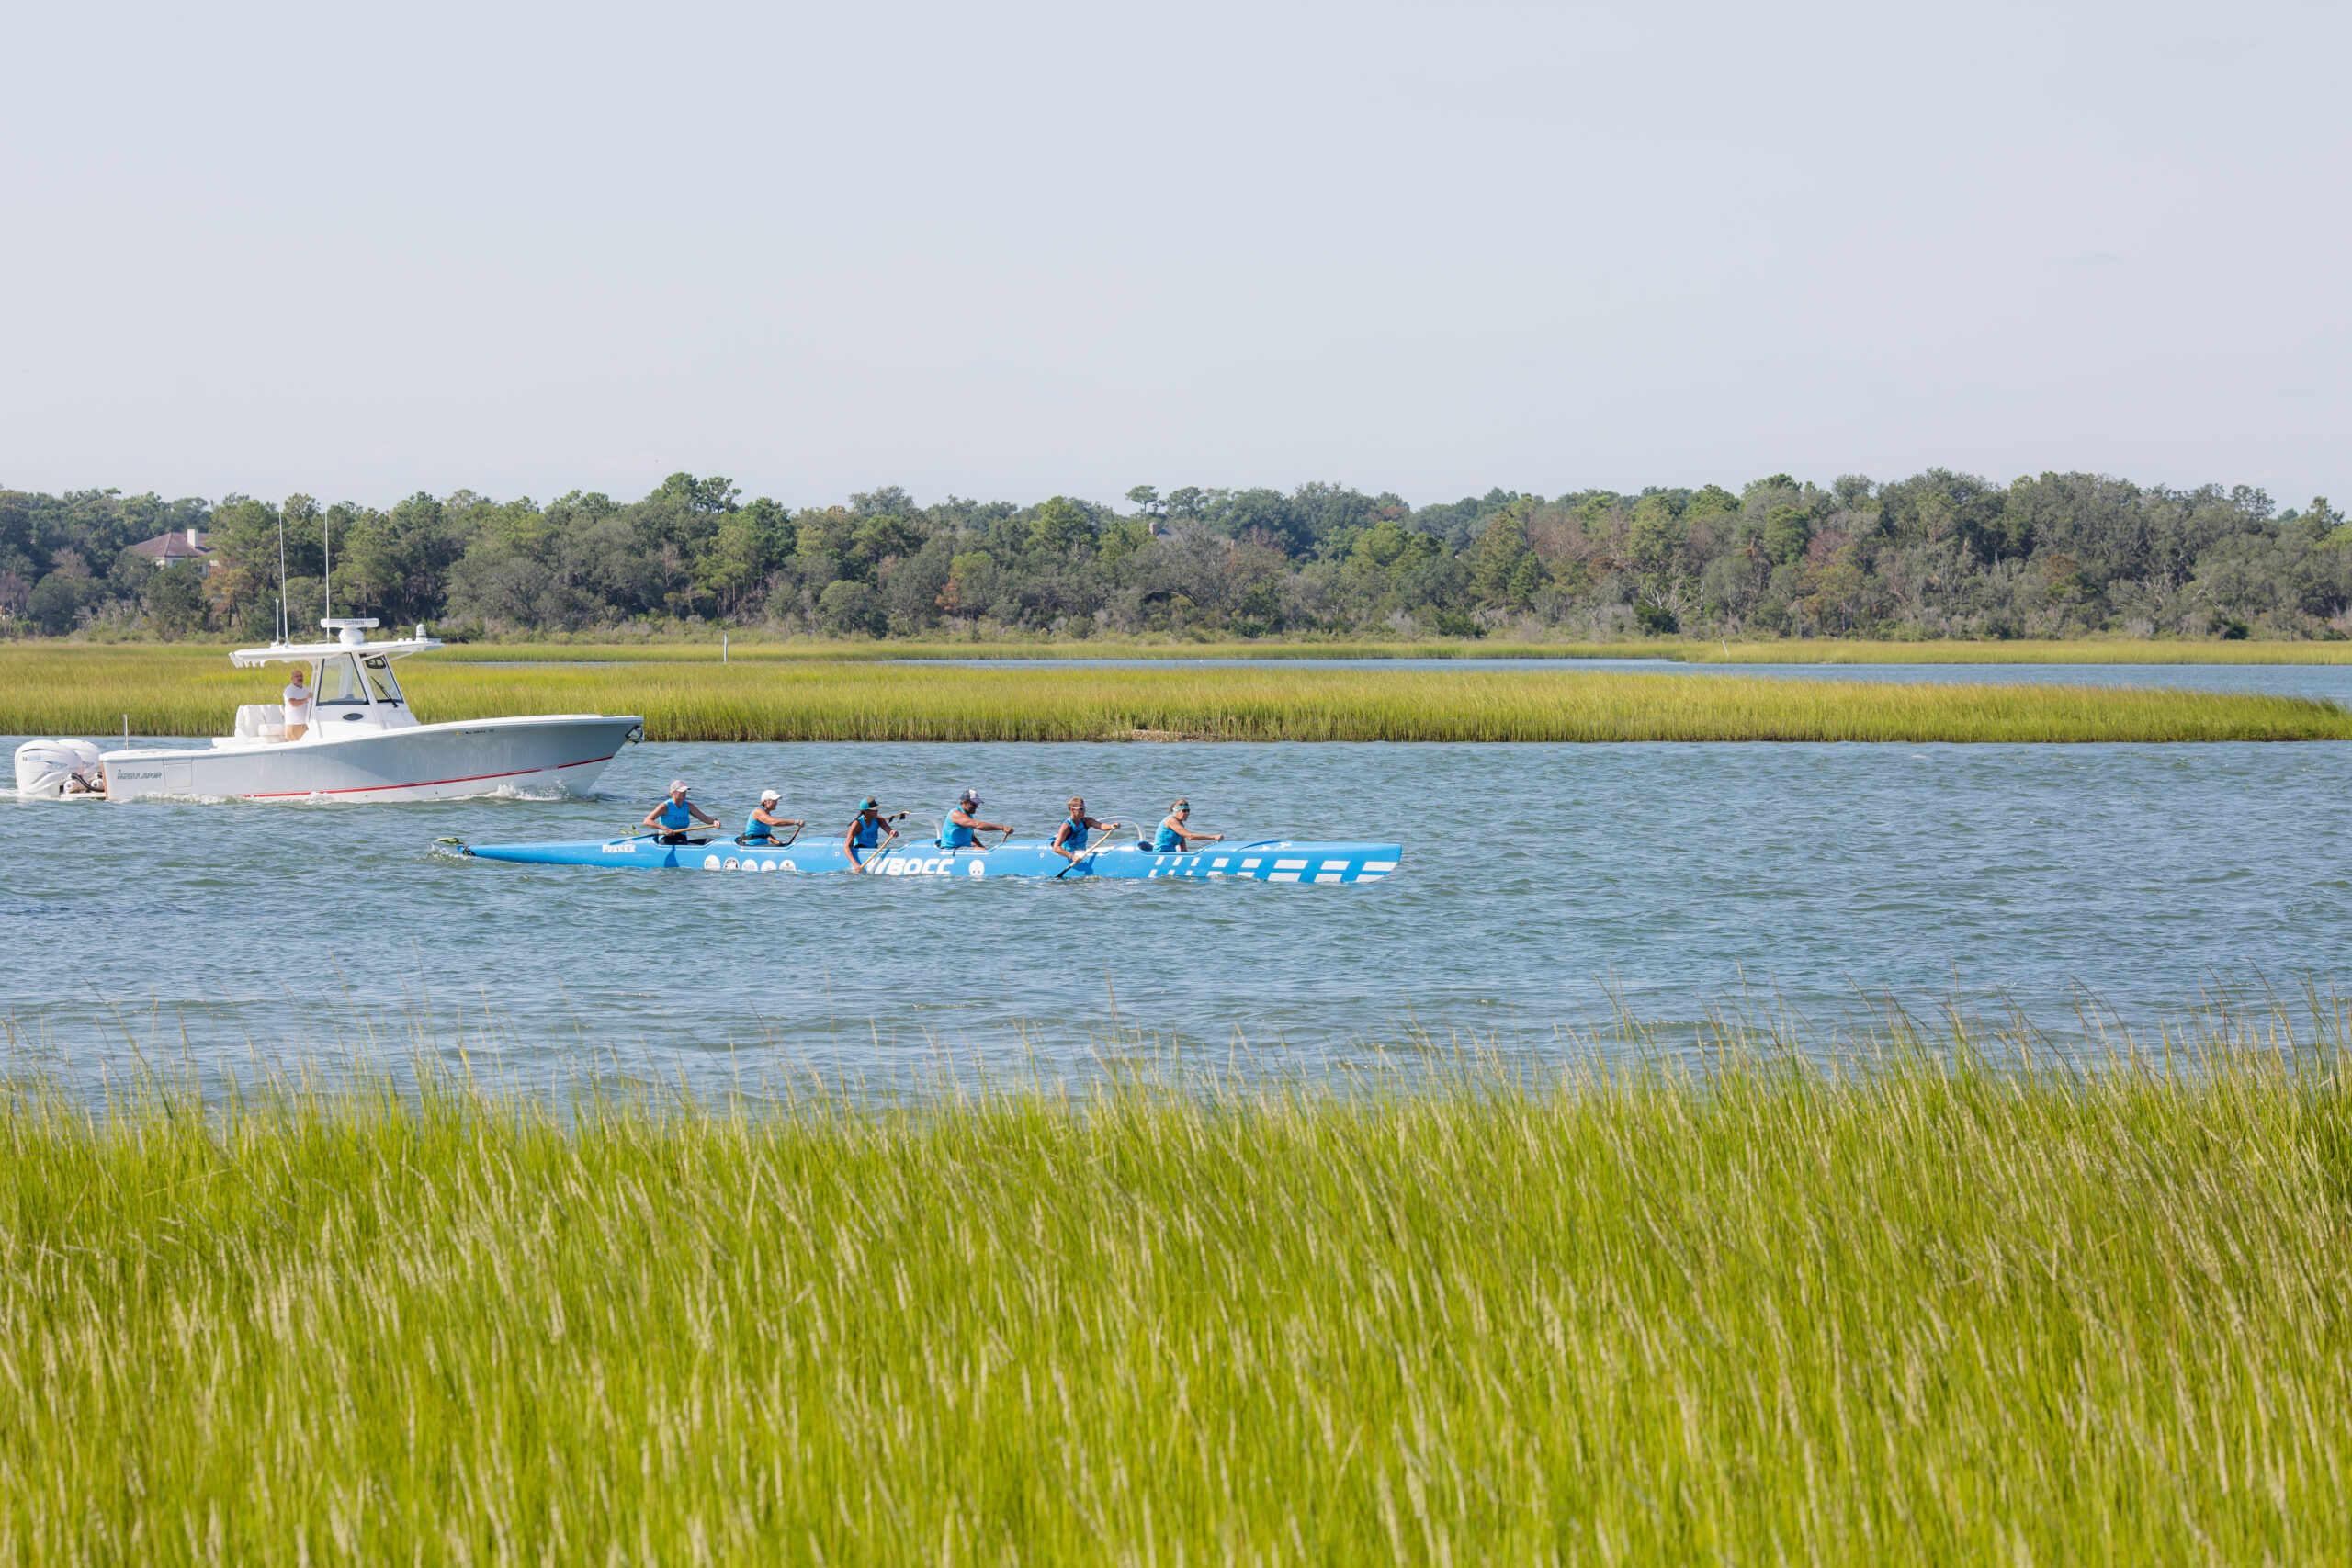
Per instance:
x=676, y=814
x=957, y=832
x=760, y=827
x=1069, y=839
x=1174, y=837
x=866, y=829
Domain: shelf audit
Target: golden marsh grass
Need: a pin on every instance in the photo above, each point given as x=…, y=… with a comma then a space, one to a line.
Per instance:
x=1927, y=1311
x=1824, y=652
x=86, y=690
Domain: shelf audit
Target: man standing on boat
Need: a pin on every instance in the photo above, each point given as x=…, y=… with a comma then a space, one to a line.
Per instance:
x=958, y=831
x=865, y=830
x=297, y=698
x=676, y=814
x=1069, y=839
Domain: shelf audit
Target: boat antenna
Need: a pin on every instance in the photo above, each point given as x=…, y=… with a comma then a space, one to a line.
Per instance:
x=282, y=576
x=326, y=593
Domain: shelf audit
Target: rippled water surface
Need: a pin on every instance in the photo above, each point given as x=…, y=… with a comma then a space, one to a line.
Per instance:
x=1539, y=883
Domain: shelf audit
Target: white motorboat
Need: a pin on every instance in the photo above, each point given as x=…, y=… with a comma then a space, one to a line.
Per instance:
x=362, y=743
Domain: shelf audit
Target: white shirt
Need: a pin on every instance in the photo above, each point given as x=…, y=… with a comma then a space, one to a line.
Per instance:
x=298, y=703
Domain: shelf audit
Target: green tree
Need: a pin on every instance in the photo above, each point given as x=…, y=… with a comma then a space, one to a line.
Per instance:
x=968, y=576
x=1503, y=568
x=850, y=608
x=175, y=598
x=887, y=538
x=1709, y=500
x=1786, y=531
x=57, y=602
x=1120, y=539
x=1059, y=527
x=1655, y=535
x=2320, y=520
x=735, y=564
x=1392, y=546
x=397, y=564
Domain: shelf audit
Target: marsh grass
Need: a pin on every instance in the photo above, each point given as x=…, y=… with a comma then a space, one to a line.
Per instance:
x=2101, y=651
x=1942, y=1301
x=84, y=691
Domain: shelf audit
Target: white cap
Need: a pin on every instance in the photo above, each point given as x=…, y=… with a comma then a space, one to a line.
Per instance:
x=767, y=795
x=677, y=784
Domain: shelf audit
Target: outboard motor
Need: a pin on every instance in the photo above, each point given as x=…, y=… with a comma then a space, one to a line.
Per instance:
x=55, y=769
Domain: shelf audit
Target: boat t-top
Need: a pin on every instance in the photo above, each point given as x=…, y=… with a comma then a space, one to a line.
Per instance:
x=361, y=744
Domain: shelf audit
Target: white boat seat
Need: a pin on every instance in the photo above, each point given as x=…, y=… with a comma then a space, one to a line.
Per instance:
x=261, y=721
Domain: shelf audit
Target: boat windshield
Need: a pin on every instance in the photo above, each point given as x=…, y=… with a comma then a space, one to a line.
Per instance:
x=380, y=680
x=339, y=683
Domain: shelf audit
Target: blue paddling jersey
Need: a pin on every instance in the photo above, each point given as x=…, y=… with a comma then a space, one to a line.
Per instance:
x=1168, y=841
x=954, y=835
x=754, y=829
x=675, y=817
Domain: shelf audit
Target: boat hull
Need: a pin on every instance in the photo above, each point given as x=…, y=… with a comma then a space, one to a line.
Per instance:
x=425, y=761
x=1272, y=861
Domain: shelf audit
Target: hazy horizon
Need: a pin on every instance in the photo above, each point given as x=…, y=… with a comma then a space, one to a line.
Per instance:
x=269, y=250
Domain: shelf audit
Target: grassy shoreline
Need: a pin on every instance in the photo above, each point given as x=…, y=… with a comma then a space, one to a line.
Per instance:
x=193, y=692
x=1930, y=1311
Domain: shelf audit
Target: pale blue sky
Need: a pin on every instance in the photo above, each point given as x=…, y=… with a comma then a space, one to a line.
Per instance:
x=1013, y=251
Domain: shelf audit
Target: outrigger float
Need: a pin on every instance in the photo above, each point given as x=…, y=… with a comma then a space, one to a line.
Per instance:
x=1270, y=860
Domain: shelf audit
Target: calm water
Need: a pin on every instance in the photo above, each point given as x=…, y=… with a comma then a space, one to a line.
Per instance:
x=1539, y=883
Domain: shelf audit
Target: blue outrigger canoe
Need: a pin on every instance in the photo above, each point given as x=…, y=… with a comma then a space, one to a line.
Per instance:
x=1273, y=860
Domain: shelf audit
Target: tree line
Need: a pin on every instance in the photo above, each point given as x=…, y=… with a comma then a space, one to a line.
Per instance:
x=1940, y=554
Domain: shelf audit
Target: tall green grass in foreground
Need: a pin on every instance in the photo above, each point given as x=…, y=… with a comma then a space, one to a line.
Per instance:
x=87, y=691
x=1916, y=1312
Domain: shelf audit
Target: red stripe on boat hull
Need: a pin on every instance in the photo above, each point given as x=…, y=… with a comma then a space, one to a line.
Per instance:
x=423, y=784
